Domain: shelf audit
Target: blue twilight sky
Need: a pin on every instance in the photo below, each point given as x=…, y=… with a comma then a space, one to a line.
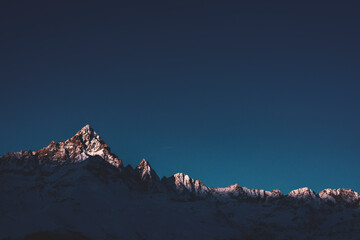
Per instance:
x=265, y=94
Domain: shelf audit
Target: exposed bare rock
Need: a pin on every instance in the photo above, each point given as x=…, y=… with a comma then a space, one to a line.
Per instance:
x=148, y=177
x=244, y=193
x=183, y=184
x=85, y=143
x=344, y=196
x=303, y=194
x=146, y=172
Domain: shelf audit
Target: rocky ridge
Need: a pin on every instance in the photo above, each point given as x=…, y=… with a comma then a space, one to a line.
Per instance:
x=87, y=143
x=81, y=146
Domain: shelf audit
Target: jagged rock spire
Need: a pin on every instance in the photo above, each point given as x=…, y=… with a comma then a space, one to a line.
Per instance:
x=147, y=177
x=83, y=144
x=146, y=172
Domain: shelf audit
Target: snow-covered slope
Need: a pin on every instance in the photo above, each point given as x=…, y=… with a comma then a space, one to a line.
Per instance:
x=303, y=194
x=78, y=189
x=244, y=193
x=341, y=196
x=186, y=186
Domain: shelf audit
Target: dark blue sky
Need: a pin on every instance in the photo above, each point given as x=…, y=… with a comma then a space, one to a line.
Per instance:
x=260, y=93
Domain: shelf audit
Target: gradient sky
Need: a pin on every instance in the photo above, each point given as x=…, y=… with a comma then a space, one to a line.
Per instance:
x=260, y=93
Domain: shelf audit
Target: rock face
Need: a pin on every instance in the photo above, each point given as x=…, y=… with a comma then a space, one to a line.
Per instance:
x=275, y=194
x=344, y=196
x=84, y=144
x=183, y=184
x=146, y=173
x=303, y=194
x=148, y=177
x=244, y=193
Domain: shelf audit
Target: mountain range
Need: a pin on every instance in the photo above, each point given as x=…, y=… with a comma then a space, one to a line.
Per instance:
x=79, y=189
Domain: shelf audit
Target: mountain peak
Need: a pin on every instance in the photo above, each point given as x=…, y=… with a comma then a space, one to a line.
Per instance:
x=182, y=183
x=82, y=145
x=143, y=164
x=146, y=172
x=87, y=130
x=304, y=193
x=342, y=195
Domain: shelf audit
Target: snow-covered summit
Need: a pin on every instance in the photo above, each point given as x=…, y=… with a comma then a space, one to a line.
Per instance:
x=184, y=184
x=145, y=176
x=303, y=194
x=342, y=195
x=83, y=144
x=244, y=193
x=146, y=172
